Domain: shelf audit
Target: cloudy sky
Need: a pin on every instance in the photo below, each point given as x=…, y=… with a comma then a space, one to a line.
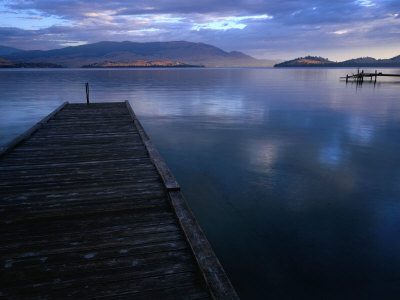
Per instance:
x=277, y=29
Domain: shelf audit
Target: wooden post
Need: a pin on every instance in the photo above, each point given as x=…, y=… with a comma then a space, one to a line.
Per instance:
x=347, y=78
x=87, y=92
x=376, y=72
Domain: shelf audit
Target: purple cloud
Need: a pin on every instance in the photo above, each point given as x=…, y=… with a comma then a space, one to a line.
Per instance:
x=263, y=28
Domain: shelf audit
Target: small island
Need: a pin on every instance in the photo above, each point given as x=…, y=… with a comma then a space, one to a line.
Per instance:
x=142, y=64
x=317, y=61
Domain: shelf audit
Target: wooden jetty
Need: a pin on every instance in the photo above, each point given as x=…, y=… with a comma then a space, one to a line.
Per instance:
x=89, y=209
x=359, y=77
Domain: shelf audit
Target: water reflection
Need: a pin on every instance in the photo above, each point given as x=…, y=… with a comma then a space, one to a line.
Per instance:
x=263, y=154
x=294, y=176
x=331, y=155
x=361, y=132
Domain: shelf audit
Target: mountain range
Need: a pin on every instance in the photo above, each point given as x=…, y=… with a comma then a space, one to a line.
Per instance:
x=181, y=52
x=162, y=54
x=4, y=50
x=316, y=61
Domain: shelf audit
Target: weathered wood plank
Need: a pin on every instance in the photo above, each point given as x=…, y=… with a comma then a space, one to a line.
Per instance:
x=124, y=231
x=88, y=225
x=77, y=251
x=84, y=164
x=93, y=270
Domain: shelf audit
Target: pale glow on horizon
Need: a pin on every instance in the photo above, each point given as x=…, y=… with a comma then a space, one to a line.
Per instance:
x=141, y=32
x=225, y=23
x=168, y=19
x=365, y=3
x=378, y=52
x=71, y=43
x=344, y=31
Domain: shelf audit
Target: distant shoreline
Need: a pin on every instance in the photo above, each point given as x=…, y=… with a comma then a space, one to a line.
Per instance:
x=31, y=66
x=199, y=67
x=338, y=66
x=137, y=67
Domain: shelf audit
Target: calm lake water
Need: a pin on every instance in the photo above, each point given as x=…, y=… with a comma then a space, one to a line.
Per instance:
x=293, y=174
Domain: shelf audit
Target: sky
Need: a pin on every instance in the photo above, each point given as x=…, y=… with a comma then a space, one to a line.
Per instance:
x=269, y=29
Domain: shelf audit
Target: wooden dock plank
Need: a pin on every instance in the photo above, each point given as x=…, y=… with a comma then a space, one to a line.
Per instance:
x=87, y=211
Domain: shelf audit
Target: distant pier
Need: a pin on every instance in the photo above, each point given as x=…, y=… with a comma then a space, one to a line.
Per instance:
x=360, y=76
x=89, y=209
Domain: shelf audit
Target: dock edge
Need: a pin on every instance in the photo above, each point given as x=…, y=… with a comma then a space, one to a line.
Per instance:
x=24, y=136
x=213, y=273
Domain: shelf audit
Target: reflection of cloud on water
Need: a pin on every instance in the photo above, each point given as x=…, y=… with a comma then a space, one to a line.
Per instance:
x=262, y=154
x=219, y=107
x=331, y=155
x=359, y=131
x=151, y=106
x=336, y=170
x=183, y=105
